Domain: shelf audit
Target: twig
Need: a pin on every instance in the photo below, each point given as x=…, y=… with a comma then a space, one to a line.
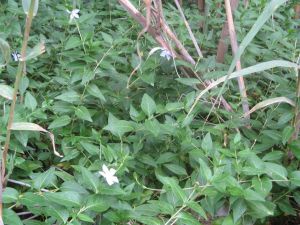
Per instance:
x=234, y=47
x=223, y=45
x=24, y=184
x=16, y=88
x=189, y=29
x=142, y=20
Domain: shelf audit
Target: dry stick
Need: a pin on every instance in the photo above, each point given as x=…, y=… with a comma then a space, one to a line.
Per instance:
x=127, y=5
x=157, y=36
x=24, y=184
x=16, y=87
x=183, y=51
x=234, y=47
x=189, y=29
x=223, y=45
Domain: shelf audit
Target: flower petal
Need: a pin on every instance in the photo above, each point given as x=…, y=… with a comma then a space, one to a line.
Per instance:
x=75, y=11
x=112, y=171
x=105, y=169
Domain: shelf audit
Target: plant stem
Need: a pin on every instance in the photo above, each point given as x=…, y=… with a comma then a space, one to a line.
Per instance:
x=234, y=47
x=16, y=88
x=296, y=121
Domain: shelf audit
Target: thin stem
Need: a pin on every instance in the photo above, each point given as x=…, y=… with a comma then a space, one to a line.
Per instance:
x=16, y=88
x=189, y=29
x=234, y=47
x=81, y=37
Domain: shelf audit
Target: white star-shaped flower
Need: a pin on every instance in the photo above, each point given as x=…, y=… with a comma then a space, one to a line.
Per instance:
x=165, y=53
x=108, y=174
x=73, y=14
x=16, y=56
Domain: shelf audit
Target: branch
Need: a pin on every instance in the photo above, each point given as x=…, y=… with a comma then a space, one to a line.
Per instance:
x=234, y=47
x=189, y=29
x=127, y=5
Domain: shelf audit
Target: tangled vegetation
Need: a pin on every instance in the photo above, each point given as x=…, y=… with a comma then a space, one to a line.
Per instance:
x=105, y=121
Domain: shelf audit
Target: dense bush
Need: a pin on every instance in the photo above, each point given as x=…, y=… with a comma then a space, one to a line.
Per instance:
x=171, y=167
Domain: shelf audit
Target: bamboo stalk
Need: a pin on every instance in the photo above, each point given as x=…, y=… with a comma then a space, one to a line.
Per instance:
x=189, y=29
x=21, y=66
x=234, y=47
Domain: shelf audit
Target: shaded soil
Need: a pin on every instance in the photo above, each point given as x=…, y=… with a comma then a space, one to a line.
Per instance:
x=285, y=220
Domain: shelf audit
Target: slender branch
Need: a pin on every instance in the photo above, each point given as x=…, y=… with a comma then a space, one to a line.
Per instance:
x=129, y=7
x=24, y=184
x=234, y=47
x=223, y=44
x=189, y=29
x=156, y=34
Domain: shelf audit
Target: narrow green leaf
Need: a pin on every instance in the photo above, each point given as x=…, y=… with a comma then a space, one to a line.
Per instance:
x=93, y=90
x=10, y=217
x=10, y=195
x=118, y=127
x=148, y=105
x=6, y=91
x=90, y=180
x=83, y=113
x=30, y=101
x=60, y=122
x=44, y=179
x=26, y=6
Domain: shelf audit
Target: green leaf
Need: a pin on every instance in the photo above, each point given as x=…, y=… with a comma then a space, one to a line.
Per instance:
x=262, y=185
x=30, y=101
x=58, y=212
x=6, y=91
x=148, y=105
x=261, y=209
x=85, y=218
x=90, y=148
x=207, y=144
x=188, y=81
x=26, y=6
x=286, y=207
x=197, y=208
x=65, y=198
x=93, y=90
x=60, y=122
x=251, y=195
x=238, y=209
x=10, y=195
x=228, y=221
x=97, y=203
x=187, y=218
x=44, y=179
x=10, y=217
x=153, y=126
x=73, y=42
x=177, y=169
x=5, y=50
x=205, y=171
x=90, y=180
x=69, y=96
x=107, y=38
x=83, y=113
x=295, y=178
x=35, y=52
x=118, y=127
x=286, y=134
x=276, y=171
x=295, y=148
x=176, y=189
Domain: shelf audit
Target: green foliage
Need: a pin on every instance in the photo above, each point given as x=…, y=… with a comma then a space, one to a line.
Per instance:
x=171, y=168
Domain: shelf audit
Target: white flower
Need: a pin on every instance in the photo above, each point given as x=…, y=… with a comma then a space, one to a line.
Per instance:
x=108, y=174
x=74, y=14
x=165, y=53
x=15, y=56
